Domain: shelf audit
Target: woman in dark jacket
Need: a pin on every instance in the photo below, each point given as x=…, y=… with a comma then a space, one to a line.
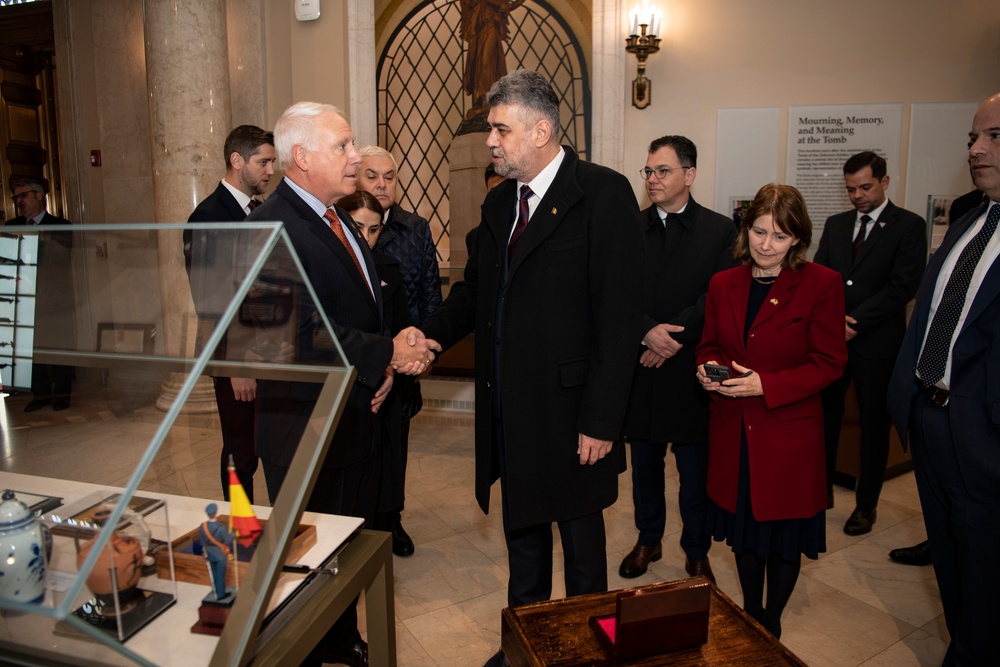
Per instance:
x=776, y=326
x=367, y=213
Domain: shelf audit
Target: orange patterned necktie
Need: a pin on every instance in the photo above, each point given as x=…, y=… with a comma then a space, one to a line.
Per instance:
x=338, y=229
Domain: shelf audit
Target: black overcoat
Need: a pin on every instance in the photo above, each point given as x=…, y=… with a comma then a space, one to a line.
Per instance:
x=570, y=312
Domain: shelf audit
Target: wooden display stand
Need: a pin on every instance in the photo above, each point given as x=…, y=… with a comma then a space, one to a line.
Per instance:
x=191, y=567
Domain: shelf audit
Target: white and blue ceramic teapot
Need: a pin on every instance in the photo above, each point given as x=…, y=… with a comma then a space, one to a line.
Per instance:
x=23, y=556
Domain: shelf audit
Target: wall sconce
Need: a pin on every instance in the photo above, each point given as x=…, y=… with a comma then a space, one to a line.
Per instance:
x=643, y=41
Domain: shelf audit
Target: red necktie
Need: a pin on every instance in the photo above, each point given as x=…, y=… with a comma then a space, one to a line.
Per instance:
x=522, y=222
x=253, y=204
x=338, y=229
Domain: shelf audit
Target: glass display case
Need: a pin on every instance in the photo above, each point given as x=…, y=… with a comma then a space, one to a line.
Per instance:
x=140, y=318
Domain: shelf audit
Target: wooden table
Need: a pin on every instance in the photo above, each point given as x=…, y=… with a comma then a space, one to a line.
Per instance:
x=557, y=633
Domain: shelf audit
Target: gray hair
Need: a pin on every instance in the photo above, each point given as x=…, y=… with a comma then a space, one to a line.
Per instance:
x=378, y=151
x=33, y=184
x=529, y=90
x=296, y=126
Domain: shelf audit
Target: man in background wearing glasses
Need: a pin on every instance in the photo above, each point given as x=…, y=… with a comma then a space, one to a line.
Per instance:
x=685, y=244
x=50, y=385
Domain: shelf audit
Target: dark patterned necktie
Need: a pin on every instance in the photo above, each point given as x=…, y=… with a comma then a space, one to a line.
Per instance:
x=859, y=240
x=253, y=204
x=934, y=357
x=522, y=222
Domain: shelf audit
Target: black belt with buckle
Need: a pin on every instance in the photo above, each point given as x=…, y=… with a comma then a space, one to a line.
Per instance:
x=938, y=396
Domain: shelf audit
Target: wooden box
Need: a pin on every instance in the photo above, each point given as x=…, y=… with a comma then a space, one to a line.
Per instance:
x=656, y=619
x=191, y=567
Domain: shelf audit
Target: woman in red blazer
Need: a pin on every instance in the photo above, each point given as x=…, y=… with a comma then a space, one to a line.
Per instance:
x=777, y=324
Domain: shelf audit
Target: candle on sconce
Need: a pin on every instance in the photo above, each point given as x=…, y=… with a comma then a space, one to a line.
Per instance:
x=635, y=24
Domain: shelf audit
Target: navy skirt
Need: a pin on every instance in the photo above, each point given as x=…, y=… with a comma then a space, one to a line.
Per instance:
x=788, y=538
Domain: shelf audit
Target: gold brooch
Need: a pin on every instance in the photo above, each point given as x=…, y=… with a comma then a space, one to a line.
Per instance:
x=774, y=302
x=554, y=210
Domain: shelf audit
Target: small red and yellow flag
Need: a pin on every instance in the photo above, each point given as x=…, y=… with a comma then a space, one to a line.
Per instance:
x=242, y=520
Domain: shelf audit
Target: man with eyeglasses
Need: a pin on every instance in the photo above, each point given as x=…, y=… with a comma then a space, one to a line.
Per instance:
x=50, y=385
x=685, y=244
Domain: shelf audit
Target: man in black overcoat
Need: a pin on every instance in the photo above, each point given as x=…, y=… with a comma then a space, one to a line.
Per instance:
x=556, y=304
x=685, y=245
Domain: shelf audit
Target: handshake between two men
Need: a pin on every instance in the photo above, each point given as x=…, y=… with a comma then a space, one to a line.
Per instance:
x=412, y=354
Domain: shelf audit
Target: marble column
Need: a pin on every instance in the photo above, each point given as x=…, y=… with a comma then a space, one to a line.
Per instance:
x=467, y=160
x=187, y=80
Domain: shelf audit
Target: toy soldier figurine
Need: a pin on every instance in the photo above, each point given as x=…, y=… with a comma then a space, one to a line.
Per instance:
x=217, y=540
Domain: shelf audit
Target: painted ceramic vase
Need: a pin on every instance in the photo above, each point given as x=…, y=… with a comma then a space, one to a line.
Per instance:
x=23, y=555
x=122, y=556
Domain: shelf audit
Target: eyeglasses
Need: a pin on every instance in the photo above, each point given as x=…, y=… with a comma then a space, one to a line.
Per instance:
x=18, y=197
x=661, y=172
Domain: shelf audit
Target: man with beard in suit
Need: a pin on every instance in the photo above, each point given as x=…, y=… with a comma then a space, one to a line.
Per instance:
x=553, y=290
x=249, y=154
x=880, y=251
x=685, y=245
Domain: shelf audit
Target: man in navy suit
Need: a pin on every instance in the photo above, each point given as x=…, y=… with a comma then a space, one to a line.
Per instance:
x=249, y=154
x=944, y=398
x=315, y=144
x=879, y=250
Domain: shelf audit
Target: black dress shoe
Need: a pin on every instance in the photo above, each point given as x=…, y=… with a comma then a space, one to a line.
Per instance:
x=36, y=405
x=860, y=522
x=498, y=660
x=918, y=554
x=635, y=564
x=402, y=545
x=59, y=406
x=355, y=654
x=700, y=568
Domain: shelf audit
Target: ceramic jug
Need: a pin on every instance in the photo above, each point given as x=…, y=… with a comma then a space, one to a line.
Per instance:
x=23, y=555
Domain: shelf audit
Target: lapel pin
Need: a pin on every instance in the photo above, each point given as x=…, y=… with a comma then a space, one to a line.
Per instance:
x=774, y=302
x=554, y=210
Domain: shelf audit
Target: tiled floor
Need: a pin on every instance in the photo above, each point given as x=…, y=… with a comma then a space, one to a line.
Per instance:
x=851, y=607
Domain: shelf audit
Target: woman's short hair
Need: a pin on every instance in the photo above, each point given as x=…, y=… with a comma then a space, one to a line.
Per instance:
x=787, y=208
x=361, y=199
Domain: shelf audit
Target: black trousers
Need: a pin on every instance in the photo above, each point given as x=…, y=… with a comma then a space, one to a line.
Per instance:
x=237, y=419
x=51, y=383
x=649, y=487
x=871, y=383
x=964, y=535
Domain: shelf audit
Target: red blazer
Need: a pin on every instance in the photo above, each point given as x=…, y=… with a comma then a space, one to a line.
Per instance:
x=796, y=344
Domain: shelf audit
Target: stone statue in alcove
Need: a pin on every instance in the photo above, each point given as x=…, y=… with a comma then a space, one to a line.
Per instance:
x=484, y=27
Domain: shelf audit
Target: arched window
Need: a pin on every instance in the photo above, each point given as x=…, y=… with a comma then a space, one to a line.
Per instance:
x=421, y=102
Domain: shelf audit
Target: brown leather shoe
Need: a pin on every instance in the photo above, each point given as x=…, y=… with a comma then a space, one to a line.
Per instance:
x=700, y=568
x=860, y=522
x=635, y=564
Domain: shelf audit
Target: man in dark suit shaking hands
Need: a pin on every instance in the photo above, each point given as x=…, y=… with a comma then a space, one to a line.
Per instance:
x=880, y=250
x=553, y=289
x=249, y=153
x=944, y=399
x=315, y=144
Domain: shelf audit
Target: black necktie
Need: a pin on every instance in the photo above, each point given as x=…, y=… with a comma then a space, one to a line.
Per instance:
x=671, y=230
x=522, y=222
x=859, y=240
x=934, y=357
